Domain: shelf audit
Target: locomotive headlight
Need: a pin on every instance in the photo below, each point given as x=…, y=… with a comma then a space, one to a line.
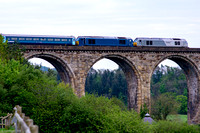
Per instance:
x=134, y=43
x=77, y=42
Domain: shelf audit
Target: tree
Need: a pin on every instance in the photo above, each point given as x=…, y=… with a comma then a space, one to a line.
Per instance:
x=164, y=105
x=182, y=100
x=107, y=83
x=168, y=79
x=10, y=51
x=143, y=110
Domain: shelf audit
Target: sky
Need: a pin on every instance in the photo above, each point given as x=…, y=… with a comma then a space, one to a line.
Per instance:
x=129, y=18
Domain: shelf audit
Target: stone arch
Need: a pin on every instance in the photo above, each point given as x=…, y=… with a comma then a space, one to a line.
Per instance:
x=192, y=74
x=132, y=78
x=61, y=66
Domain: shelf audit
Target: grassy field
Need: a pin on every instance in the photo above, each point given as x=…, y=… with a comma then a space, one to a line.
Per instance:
x=182, y=118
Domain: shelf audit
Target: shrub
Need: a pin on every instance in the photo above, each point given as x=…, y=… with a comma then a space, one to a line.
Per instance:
x=174, y=127
x=99, y=114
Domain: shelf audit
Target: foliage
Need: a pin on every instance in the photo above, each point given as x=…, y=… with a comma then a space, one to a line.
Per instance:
x=21, y=82
x=177, y=118
x=174, y=127
x=55, y=108
x=168, y=79
x=143, y=110
x=3, y=130
x=163, y=105
x=99, y=114
x=49, y=113
x=107, y=83
x=164, y=79
x=183, y=104
x=10, y=51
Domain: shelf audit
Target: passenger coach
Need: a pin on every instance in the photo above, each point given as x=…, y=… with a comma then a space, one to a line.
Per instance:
x=39, y=39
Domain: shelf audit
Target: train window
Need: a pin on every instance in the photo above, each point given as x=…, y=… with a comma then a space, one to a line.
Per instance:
x=14, y=39
x=122, y=41
x=28, y=39
x=50, y=39
x=21, y=39
x=36, y=39
x=147, y=42
x=9, y=38
x=42, y=39
x=91, y=41
x=64, y=40
x=150, y=42
x=57, y=39
x=177, y=43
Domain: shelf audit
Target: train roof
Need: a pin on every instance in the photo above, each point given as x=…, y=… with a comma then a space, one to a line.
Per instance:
x=45, y=36
x=165, y=39
x=104, y=37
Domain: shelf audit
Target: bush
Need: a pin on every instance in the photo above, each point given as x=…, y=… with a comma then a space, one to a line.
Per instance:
x=174, y=127
x=49, y=112
x=99, y=114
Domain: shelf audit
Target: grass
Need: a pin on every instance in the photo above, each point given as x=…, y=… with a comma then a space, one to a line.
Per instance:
x=7, y=131
x=10, y=130
x=180, y=118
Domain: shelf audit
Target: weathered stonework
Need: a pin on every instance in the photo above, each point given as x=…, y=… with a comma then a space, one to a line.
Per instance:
x=138, y=64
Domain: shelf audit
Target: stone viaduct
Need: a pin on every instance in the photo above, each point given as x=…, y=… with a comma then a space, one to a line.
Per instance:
x=138, y=64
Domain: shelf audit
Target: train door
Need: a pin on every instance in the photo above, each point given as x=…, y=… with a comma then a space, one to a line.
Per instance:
x=139, y=42
x=81, y=41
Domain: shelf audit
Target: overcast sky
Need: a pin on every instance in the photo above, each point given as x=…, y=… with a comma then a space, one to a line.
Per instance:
x=130, y=18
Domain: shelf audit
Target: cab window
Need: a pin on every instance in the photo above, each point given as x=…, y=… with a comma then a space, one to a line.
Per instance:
x=122, y=41
x=149, y=43
x=91, y=41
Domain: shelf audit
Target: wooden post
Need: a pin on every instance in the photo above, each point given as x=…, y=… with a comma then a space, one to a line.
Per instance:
x=34, y=129
x=29, y=122
x=24, y=123
x=8, y=121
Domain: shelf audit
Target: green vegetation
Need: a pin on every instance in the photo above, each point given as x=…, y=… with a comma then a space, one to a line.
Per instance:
x=171, y=80
x=7, y=130
x=168, y=89
x=174, y=127
x=107, y=83
x=181, y=118
x=163, y=105
x=54, y=107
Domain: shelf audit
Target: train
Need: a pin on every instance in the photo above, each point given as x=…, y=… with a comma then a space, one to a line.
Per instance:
x=94, y=41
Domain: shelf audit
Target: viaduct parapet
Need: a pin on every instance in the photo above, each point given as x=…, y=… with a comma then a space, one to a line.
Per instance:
x=138, y=64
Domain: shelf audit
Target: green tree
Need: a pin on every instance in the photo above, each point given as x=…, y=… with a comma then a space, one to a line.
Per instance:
x=164, y=105
x=107, y=83
x=182, y=100
x=168, y=79
x=10, y=51
x=143, y=110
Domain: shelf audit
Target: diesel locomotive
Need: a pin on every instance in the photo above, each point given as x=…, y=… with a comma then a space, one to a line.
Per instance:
x=94, y=41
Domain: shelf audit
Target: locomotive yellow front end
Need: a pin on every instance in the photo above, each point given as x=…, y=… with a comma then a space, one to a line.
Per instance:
x=135, y=44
